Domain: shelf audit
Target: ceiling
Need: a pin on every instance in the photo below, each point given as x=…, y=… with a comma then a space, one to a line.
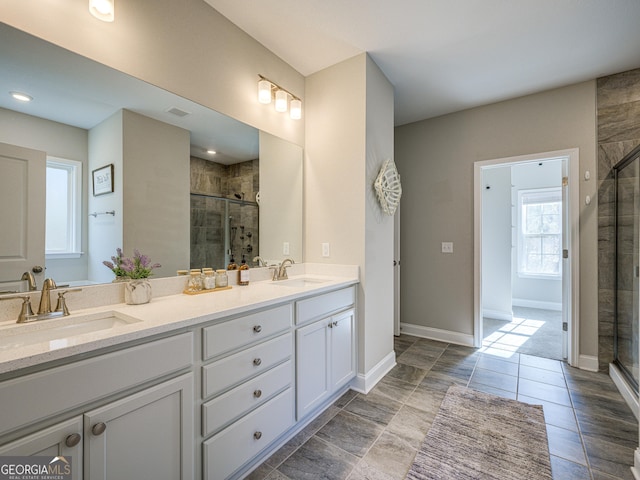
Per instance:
x=444, y=56
x=74, y=90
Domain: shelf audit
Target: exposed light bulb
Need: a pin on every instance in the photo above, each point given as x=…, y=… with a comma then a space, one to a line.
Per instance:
x=102, y=9
x=264, y=91
x=23, y=97
x=281, y=101
x=211, y=152
x=296, y=109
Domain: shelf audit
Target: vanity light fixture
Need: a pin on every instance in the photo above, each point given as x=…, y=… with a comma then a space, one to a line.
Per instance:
x=22, y=97
x=281, y=101
x=264, y=91
x=268, y=90
x=102, y=9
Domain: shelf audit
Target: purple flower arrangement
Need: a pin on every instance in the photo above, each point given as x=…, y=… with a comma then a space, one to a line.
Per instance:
x=139, y=266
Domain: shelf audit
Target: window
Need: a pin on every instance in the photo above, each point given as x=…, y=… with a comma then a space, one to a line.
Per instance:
x=64, y=202
x=540, y=232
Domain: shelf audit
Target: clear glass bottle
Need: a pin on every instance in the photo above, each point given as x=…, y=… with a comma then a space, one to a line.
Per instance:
x=209, y=280
x=243, y=273
x=222, y=280
x=195, y=282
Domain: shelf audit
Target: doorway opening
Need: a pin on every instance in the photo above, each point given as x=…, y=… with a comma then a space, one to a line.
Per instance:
x=526, y=253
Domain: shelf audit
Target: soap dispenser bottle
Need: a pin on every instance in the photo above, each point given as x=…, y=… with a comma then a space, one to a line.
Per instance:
x=243, y=273
x=232, y=264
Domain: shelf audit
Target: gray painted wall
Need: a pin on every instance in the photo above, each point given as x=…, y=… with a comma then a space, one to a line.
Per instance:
x=436, y=160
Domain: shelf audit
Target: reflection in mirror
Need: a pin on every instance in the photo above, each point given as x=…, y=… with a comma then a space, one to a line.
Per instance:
x=158, y=145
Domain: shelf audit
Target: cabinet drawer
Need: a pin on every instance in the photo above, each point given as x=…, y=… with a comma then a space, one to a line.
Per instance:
x=226, y=452
x=324, y=305
x=227, y=336
x=235, y=369
x=33, y=397
x=226, y=408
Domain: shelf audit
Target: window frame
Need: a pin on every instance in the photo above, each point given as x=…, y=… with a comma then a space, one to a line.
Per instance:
x=73, y=169
x=551, y=192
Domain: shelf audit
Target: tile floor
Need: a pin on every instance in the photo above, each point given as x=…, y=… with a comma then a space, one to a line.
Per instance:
x=592, y=433
x=532, y=331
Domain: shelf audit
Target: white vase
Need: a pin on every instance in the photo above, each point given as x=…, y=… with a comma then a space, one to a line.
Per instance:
x=137, y=292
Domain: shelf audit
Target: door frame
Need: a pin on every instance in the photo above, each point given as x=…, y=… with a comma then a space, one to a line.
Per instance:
x=570, y=294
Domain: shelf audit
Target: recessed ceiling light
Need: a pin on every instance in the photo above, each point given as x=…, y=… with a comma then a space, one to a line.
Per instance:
x=211, y=152
x=102, y=9
x=23, y=97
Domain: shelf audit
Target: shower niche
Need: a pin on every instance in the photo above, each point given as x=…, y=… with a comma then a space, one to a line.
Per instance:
x=627, y=266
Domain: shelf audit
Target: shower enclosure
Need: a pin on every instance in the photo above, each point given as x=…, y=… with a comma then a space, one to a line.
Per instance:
x=221, y=229
x=627, y=242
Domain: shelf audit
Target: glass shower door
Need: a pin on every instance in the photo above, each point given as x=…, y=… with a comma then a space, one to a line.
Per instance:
x=627, y=267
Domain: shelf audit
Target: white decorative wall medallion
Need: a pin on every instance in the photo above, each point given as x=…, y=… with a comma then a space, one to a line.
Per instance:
x=388, y=187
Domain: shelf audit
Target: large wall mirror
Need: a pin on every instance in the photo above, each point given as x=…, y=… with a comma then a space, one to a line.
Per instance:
x=99, y=160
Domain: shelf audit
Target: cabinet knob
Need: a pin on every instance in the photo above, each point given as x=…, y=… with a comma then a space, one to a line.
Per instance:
x=257, y=328
x=335, y=324
x=257, y=435
x=257, y=393
x=257, y=361
x=98, y=428
x=72, y=440
x=330, y=325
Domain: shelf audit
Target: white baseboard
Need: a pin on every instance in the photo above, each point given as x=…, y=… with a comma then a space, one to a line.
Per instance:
x=635, y=470
x=497, y=314
x=523, y=302
x=446, y=336
x=627, y=392
x=363, y=383
x=588, y=362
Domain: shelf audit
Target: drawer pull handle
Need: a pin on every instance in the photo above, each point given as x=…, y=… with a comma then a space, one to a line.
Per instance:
x=257, y=328
x=72, y=440
x=335, y=324
x=257, y=435
x=257, y=361
x=257, y=393
x=98, y=429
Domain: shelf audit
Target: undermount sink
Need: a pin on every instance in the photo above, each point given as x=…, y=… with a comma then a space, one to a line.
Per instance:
x=299, y=282
x=59, y=333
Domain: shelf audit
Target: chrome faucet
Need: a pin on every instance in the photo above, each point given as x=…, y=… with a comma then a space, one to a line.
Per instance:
x=45, y=297
x=281, y=272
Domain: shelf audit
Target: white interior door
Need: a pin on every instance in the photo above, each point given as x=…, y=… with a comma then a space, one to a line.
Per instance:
x=566, y=260
x=22, y=210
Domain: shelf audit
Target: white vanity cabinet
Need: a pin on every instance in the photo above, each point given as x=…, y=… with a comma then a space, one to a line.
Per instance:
x=248, y=390
x=63, y=439
x=146, y=434
x=325, y=347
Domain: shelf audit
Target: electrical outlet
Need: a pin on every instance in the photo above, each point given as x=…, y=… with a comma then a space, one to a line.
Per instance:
x=447, y=247
x=285, y=248
x=325, y=249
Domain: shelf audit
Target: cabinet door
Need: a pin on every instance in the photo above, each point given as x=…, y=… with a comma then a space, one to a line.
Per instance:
x=343, y=360
x=148, y=435
x=312, y=366
x=61, y=440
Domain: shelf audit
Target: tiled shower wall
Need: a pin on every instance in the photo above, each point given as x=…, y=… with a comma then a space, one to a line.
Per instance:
x=618, y=106
x=208, y=214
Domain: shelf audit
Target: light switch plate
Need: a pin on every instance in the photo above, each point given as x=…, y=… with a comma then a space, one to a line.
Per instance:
x=285, y=248
x=447, y=247
x=325, y=249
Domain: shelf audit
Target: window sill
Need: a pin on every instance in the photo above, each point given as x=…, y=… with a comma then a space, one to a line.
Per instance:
x=62, y=256
x=539, y=276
